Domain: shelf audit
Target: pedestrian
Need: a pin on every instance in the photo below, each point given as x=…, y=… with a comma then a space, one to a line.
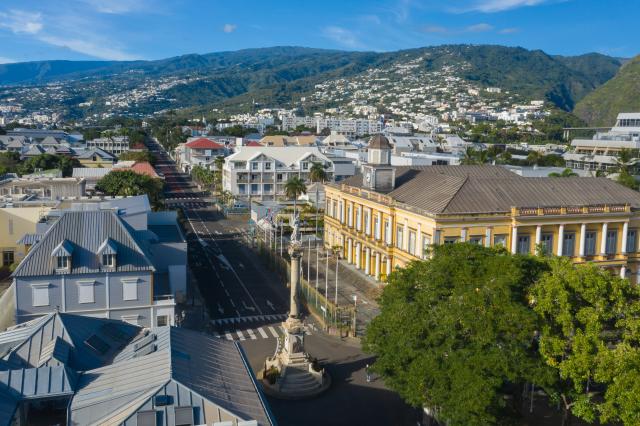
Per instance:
x=366, y=370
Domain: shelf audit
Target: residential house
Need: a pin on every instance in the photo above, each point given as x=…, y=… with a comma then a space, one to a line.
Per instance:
x=15, y=223
x=199, y=152
x=97, y=157
x=263, y=172
x=93, y=260
x=390, y=216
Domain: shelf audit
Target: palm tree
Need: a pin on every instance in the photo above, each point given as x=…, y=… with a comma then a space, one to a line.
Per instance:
x=219, y=163
x=317, y=175
x=625, y=159
x=565, y=173
x=295, y=187
x=482, y=157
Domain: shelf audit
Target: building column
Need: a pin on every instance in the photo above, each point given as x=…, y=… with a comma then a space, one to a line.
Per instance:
x=463, y=235
x=367, y=260
x=487, y=237
x=358, y=255
x=388, y=266
x=583, y=239
x=378, y=231
x=560, y=239
x=603, y=240
x=538, y=235
x=419, y=242
x=625, y=231
x=514, y=239
x=405, y=236
x=623, y=272
x=377, y=266
x=350, y=251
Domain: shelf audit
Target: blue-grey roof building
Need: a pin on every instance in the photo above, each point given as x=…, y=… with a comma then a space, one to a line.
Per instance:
x=104, y=259
x=95, y=371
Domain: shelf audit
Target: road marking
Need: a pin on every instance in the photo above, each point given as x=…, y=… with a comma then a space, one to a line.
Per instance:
x=228, y=335
x=262, y=333
x=240, y=335
x=273, y=332
x=220, y=309
x=253, y=336
x=271, y=305
x=241, y=265
x=232, y=303
x=247, y=307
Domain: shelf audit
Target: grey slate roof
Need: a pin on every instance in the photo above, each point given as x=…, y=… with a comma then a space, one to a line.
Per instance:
x=493, y=189
x=85, y=231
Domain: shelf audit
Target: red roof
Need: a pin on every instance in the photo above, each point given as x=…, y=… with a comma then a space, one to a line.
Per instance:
x=144, y=168
x=204, y=143
x=253, y=143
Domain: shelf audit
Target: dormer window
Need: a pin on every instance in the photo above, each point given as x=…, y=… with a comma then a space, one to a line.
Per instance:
x=109, y=260
x=62, y=256
x=107, y=252
x=63, y=262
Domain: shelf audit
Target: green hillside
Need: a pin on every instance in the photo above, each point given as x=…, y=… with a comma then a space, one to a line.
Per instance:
x=620, y=94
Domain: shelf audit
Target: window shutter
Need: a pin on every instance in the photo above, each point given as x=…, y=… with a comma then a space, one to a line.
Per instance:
x=130, y=289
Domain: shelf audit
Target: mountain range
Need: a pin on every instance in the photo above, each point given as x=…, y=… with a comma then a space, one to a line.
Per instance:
x=278, y=75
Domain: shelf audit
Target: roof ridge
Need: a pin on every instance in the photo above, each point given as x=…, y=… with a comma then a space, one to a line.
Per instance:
x=464, y=181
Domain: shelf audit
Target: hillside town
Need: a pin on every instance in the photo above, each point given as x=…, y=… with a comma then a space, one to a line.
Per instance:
x=412, y=221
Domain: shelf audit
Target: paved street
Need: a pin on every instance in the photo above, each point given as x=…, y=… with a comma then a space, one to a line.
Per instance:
x=247, y=302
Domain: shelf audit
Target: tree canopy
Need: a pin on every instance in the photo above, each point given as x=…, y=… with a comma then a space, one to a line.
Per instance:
x=454, y=332
x=128, y=183
x=463, y=332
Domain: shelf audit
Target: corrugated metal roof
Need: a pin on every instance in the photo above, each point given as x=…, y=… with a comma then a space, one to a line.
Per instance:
x=488, y=189
x=29, y=239
x=89, y=172
x=43, y=382
x=86, y=230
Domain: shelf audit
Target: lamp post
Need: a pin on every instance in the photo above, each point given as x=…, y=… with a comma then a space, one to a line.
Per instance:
x=336, y=302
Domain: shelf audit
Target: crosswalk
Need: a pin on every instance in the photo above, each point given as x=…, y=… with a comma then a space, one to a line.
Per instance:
x=249, y=319
x=262, y=332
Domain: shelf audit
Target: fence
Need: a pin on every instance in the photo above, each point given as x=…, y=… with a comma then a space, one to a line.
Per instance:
x=334, y=319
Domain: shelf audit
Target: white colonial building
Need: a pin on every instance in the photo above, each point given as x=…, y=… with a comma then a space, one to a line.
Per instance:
x=115, y=145
x=198, y=152
x=262, y=172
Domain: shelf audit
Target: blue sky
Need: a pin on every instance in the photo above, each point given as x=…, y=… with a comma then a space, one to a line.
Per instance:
x=154, y=29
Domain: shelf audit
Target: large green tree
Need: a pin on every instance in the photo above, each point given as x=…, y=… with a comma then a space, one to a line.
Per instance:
x=455, y=333
x=47, y=162
x=129, y=183
x=591, y=335
x=144, y=155
x=294, y=188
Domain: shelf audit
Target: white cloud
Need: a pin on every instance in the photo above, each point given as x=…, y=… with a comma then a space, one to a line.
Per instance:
x=229, y=28
x=479, y=28
x=21, y=22
x=492, y=6
x=96, y=48
x=509, y=30
x=4, y=60
x=118, y=7
x=342, y=36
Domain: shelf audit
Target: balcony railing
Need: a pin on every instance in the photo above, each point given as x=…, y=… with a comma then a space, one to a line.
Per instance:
x=571, y=210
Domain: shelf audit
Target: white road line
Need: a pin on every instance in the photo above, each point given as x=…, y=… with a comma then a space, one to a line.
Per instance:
x=215, y=334
x=228, y=335
x=262, y=333
x=251, y=334
x=273, y=332
x=240, y=335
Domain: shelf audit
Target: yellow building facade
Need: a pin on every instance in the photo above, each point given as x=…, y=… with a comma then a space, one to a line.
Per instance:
x=587, y=219
x=15, y=223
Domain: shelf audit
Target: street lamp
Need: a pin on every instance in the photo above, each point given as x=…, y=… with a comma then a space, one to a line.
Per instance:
x=337, y=258
x=355, y=309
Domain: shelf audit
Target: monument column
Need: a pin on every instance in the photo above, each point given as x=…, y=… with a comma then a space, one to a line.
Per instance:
x=296, y=253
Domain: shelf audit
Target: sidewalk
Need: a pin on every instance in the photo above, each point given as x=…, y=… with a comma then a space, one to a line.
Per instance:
x=351, y=282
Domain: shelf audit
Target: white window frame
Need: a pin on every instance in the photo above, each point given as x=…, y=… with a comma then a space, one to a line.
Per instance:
x=41, y=289
x=387, y=232
x=86, y=292
x=127, y=285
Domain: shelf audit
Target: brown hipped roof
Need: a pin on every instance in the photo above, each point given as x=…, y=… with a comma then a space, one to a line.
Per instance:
x=490, y=189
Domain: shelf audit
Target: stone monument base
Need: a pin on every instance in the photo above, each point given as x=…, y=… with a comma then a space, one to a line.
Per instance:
x=290, y=373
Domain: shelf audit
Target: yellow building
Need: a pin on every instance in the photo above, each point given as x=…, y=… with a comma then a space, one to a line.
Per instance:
x=15, y=223
x=97, y=157
x=389, y=216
